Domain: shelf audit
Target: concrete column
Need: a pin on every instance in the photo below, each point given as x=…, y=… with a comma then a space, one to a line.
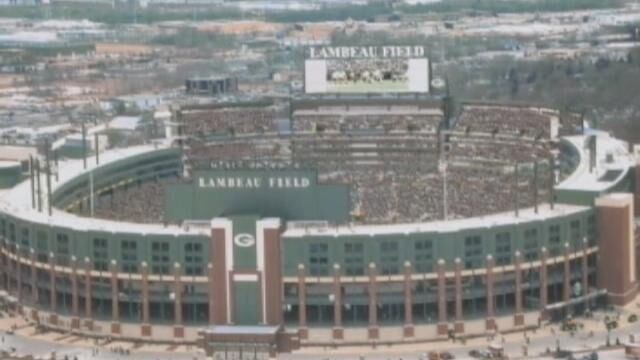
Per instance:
x=616, y=254
x=566, y=277
x=34, y=279
x=18, y=274
x=115, y=298
x=219, y=309
x=178, y=327
x=75, y=316
x=491, y=305
x=443, y=328
x=544, y=286
x=303, y=331
x=373, y=330
x=338, y=331
x=409, y=330
x=459, y=324
x=87, y=290
x=271, y=267
x=518, y=317
x=584, y=260
x=146, y=326
x=211, y=291
x=52, y=283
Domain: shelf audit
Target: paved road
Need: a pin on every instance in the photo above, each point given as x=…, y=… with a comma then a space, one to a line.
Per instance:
x=513, y=345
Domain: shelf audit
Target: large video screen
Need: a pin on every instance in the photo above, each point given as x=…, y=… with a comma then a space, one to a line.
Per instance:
x=372, y=70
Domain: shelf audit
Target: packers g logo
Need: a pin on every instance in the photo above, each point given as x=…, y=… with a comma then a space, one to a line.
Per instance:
x=244, y=240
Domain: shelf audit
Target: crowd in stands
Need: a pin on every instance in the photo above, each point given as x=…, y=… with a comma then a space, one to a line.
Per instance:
x=523, y=121
x=229, y=121
x=312, y=122
x=476, y=147
x=395, y=176
x=139, y=203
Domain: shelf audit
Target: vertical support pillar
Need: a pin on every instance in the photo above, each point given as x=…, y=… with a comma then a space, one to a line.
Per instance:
x=566, y=275
x=211, y=293
x=219, y=287
x=459, y=324
x=146, y=326
x=34, y=278
x=584, y=260
x=53, y=318
x=617, y=250
x=443, y=328
x=88, y=314
x=518, y=317
x=409, y=330
x=303, y=331
x=338, y=331
x=270, y=265
x=178, y=327
x=544, y=285
x=75, y=316
x=18, y=274
x=373, y=331
x=491, y=301
x=115, y=299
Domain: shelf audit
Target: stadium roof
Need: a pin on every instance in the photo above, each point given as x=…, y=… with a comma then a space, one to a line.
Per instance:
x=613, y=161
x=17, y=201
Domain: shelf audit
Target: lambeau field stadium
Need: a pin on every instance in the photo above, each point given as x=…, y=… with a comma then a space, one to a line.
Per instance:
x=371, y=217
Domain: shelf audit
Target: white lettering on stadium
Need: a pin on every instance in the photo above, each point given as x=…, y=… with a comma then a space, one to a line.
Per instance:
x=284, y=182
x=366, y=52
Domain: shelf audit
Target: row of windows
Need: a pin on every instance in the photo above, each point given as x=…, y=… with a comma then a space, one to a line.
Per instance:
x=160, y=260
x=423, y=258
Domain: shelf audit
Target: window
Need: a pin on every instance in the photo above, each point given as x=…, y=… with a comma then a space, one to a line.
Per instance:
x=319, y=259
x=575, y=235
x=503, y=248
x=530, y=245
x=423, y=256
x=353, y=259
x=555, y=242
x=25, y=242
x=42, y=246
x=591, y=230
x=193, y=260
x=389, y=257
x=129, y=256
x=160, y=257
x=472, y=252
x=12, y=232
x=3, y=228
x=62, y=249
x=100, y=254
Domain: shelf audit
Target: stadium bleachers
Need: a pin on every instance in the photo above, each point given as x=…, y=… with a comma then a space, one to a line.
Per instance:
x=395, y=174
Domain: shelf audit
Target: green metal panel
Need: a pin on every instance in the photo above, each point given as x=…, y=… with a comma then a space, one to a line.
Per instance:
x=10, y=176
x=245, y=306
x=263, y=192
x=244, y=257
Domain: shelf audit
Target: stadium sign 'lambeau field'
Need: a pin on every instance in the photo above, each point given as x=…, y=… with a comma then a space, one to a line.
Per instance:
x=366, y=52
x=241, y=182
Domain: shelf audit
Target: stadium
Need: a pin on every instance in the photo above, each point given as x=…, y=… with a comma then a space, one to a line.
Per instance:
x=369, y=219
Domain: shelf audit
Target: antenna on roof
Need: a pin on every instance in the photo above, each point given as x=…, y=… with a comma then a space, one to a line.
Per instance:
x=55, y=162
x=84, y=146
x=31, y=182
x=535, y=186
x=97, y=149
x=552, y=179
x=516, y=197
x=48, y=170
x=39, y=187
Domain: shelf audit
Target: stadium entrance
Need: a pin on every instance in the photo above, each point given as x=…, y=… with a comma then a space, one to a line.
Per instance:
x=247, y=342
